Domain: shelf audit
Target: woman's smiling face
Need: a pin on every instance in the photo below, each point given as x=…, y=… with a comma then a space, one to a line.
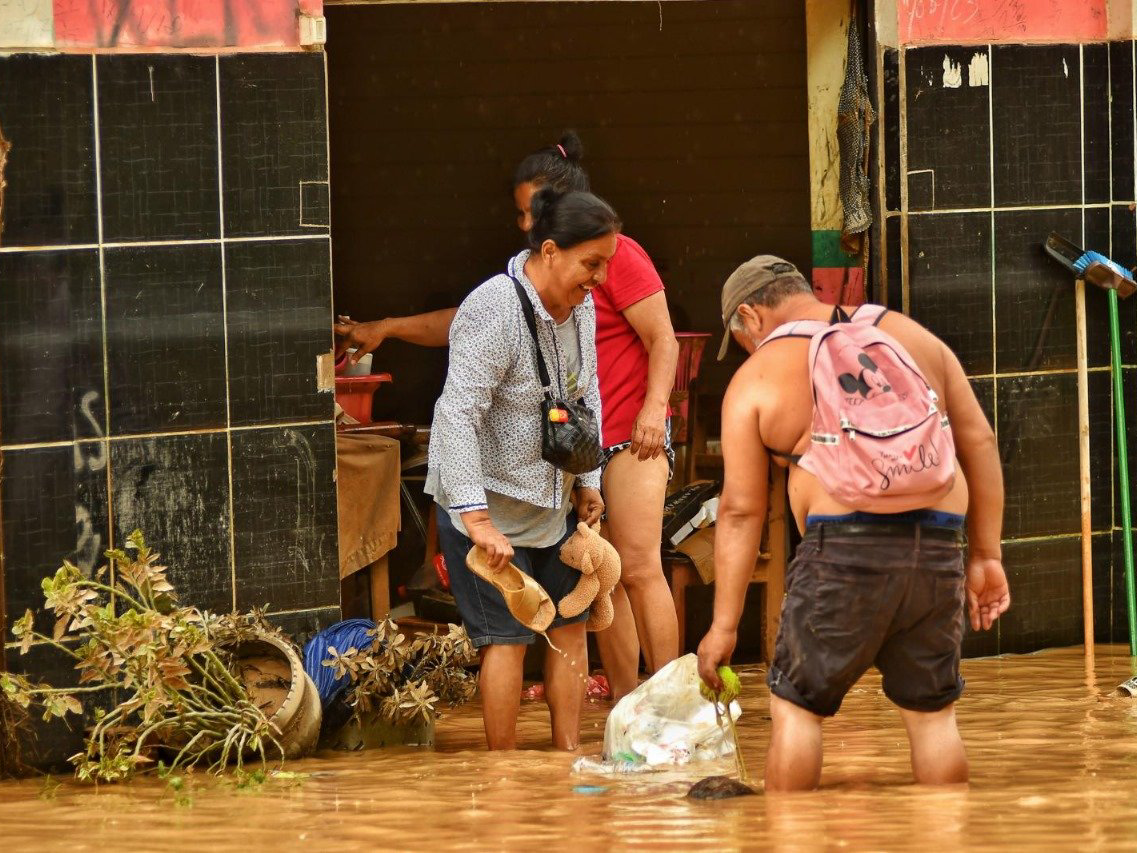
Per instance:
x=576, y=271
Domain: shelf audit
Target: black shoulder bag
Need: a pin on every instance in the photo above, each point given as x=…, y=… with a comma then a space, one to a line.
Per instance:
x=569, y=437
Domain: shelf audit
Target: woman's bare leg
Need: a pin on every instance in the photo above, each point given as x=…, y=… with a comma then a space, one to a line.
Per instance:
x=566, y=674
x=619, y=646
x=634, y=492
x=500, y=684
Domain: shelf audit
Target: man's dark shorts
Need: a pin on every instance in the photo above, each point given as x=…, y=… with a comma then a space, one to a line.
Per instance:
x=862, y=595
x=480, y=604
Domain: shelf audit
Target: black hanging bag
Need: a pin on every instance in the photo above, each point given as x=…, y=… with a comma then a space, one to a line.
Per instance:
x=570, y=439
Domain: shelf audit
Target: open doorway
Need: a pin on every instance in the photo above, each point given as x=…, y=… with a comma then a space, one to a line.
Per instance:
x=692, y=114
x=693, y=117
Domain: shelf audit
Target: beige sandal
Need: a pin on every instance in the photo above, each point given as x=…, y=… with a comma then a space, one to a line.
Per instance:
x=525, y=598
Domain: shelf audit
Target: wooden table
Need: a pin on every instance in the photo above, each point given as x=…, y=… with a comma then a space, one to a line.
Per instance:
x=769, y=569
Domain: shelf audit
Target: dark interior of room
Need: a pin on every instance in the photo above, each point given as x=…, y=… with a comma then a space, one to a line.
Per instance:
x=692, y=114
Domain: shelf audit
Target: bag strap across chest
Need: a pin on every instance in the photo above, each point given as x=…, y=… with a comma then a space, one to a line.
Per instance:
x=531, y=322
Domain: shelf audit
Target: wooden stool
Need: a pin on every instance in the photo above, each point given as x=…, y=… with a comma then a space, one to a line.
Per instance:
x=769, y=569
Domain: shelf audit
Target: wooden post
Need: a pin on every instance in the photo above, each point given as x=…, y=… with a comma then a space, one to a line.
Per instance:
x=380, y=580
x=1084, y=471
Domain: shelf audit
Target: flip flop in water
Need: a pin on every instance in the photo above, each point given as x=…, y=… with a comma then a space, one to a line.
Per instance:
x=525, y=598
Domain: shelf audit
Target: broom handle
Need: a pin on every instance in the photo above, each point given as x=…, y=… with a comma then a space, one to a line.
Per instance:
x=1084, y=471
x=1123, y=468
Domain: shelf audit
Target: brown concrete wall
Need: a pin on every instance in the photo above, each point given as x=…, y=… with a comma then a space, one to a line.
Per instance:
x=693, y=116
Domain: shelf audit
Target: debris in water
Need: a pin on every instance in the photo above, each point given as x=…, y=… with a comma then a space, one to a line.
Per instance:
x=590, y=789
x=1128, y=688
x=618, y=765
x=719, y=788
x=596, y=688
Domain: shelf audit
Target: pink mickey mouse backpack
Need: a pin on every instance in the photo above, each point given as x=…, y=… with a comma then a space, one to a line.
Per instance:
x=879, y=441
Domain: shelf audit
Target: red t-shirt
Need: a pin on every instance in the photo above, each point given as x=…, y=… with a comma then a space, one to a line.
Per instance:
x=621, y=358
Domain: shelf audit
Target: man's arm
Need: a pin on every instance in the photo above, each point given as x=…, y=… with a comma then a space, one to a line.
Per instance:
x=978, y=454
x=427, y=330
x=741, y=516
x=652, y=322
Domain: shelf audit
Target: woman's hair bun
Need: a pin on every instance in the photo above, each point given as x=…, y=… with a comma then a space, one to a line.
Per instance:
x=573, y=147
x=543, y=201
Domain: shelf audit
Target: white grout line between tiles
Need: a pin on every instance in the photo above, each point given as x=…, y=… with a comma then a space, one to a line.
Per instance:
x=225, y=335
x=991, y=178
x=142, y=244
x=96, y=130
x=37, y=445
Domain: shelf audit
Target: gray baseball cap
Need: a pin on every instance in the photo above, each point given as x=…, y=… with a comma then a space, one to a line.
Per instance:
x=748, y=279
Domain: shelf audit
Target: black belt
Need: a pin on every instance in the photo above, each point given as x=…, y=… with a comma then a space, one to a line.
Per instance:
x=889, y=528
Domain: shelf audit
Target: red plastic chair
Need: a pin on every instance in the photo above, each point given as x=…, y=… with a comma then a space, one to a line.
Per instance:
x=691, y=345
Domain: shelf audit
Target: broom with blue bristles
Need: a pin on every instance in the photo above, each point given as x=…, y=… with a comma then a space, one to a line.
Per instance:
x=1118, y=282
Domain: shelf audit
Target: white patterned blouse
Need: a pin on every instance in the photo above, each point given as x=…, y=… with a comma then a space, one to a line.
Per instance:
x=486, y=434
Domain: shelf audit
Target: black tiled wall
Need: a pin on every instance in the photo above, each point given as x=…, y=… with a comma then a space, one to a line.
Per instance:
x=1032, y=139
x=158, y=147
x=165, y=337
x=51, y=340
x=268, y=175
x=159, y=340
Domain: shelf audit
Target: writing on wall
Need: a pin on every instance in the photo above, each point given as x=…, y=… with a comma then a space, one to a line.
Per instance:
x=969, y=21
x=180, y=23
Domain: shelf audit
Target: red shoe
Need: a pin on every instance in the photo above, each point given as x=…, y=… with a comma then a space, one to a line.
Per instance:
x=598, y=688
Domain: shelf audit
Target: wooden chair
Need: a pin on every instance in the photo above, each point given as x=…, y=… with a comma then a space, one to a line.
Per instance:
x=770, y=568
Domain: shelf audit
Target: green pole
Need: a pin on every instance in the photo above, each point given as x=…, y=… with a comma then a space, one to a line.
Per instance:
x=1123, y=468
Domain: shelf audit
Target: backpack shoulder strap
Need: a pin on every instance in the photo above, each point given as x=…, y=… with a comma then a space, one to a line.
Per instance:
x=871, y=314
x=795, y=329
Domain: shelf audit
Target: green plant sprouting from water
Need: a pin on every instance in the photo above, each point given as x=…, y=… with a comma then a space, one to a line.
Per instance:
x=404, y=680
x=166, y=670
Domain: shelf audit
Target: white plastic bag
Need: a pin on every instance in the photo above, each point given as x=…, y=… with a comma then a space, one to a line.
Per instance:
x=667, y=722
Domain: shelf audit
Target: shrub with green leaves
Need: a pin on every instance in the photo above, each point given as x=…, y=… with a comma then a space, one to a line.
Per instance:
x=168, y=670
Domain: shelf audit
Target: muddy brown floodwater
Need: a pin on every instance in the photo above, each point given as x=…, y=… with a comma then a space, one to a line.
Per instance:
x=1053, y=761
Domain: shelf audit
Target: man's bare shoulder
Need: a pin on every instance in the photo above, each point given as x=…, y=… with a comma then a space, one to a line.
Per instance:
x=897, y=324
x=761, y=365
x=759, y=376
x=928, y=349
x=744, y=382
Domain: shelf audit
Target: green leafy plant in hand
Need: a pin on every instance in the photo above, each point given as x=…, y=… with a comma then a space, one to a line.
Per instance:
x=731, y=687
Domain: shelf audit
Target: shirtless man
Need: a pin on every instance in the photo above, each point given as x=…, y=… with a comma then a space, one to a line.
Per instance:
x=863, y=588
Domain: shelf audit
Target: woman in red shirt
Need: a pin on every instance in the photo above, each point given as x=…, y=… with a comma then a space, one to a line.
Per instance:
x=636, y=354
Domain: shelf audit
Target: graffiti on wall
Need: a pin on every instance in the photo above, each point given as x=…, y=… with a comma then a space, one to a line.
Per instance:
x=180, y=23
x=970, y=21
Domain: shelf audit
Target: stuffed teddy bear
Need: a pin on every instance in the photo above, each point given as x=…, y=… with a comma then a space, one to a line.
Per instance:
x=599, y=564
